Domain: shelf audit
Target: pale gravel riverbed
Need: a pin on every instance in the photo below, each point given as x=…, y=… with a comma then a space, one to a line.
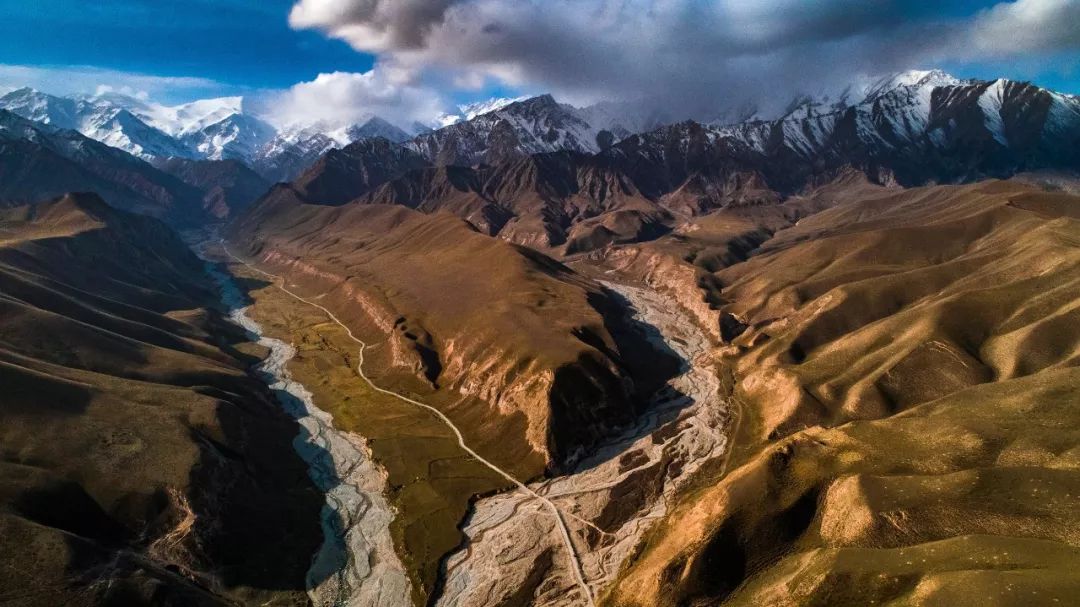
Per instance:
x=508, y=543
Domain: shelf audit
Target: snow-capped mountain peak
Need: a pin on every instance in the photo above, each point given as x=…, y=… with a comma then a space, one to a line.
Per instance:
x=120, y=128
x=478, y=108
x=535, y=125
x=237, y=136
x=192, y=117
x=41, y=107
x=910, y=79
x=108, y=120
x=213, y=129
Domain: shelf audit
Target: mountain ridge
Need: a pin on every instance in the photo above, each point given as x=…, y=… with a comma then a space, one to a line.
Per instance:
x=915, y=128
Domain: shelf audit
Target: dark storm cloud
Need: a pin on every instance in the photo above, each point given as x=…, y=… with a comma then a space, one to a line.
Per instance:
x=381, y=24
x=689, y=52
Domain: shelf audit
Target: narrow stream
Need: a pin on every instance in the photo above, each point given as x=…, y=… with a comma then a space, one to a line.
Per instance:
x=356, y=565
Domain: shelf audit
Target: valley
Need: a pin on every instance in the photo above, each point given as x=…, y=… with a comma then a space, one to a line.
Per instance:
x=139, y=462
x=579, y=527
x=428, y=476
x=613, y=497
x=357, y=563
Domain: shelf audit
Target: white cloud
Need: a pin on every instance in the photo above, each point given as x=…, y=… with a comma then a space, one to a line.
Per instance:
x=86, y=80
x=1027, y=26
x=104, y=89
x=347, y=97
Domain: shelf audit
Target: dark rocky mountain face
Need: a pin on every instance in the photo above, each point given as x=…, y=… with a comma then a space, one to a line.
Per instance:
x=927, y=130
x=376, y=127
x=345, y=174
x=228, y=186
x=532, y=200
x=40, y=160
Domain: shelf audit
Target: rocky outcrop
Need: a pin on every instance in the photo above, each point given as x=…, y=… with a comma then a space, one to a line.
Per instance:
x=676, y=279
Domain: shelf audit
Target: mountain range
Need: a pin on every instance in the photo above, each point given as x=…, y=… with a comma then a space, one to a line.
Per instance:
x=542, y=172
x=210, y=129
x=537, y=173
x=226, y=129
x=41, y=160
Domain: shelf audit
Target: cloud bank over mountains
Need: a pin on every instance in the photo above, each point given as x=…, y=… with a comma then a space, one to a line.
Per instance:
x=64, y=80
x=692, y=50
x=346, y=98
x=685, y=56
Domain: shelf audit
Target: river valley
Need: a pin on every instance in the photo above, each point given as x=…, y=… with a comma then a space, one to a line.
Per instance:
x=357, y=564
x=555, y=542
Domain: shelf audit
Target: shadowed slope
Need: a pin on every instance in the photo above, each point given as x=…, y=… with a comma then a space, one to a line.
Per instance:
x=139, y=463
x=228, y=186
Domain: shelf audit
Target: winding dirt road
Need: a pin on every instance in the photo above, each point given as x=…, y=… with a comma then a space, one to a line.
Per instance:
x=279, y=282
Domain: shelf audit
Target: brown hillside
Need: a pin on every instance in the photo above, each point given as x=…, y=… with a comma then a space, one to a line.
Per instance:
x=139, y=463
x=908, y=388
x=501, y=331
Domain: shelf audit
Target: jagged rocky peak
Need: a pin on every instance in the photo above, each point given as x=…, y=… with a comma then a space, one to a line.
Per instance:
x=376, y=127
x=535, y=125
x=237, y=136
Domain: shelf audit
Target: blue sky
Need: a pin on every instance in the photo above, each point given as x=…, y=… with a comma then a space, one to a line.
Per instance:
x=242, y=44
x=581, y=50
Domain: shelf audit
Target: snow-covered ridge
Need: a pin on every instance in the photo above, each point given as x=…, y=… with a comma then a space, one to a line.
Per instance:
x=214, y=129
x=905, y=110
x=881, y=113
x=479, y=108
